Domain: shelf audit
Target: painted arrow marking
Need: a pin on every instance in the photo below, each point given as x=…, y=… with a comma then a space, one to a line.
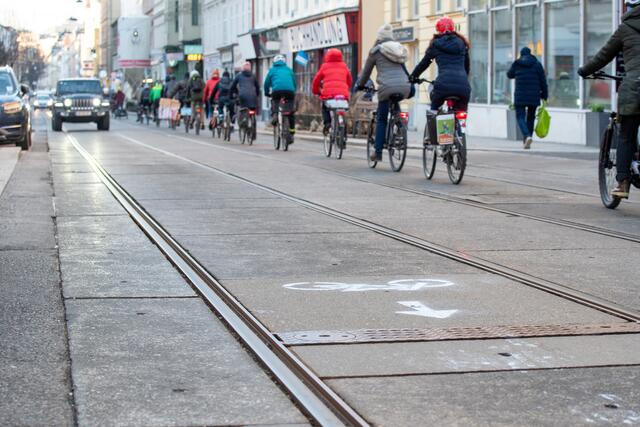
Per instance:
x=419, y=309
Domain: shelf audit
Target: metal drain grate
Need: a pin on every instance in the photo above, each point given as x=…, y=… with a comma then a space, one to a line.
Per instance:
x=453, y=333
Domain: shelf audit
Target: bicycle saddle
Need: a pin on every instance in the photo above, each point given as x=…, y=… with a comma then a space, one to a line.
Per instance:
x=396, y=97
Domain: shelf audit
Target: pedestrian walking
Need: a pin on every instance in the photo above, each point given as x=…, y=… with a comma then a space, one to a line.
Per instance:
x=531, y=87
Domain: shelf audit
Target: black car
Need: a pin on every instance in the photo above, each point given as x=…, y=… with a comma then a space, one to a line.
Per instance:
x=80, y=101
x=15, y=115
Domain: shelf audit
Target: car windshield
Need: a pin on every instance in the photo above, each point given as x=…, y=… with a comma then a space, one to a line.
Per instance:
x=7, y=85
x=66, y=87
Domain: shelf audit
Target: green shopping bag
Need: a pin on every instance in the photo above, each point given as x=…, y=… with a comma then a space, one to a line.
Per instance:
x=544, y=121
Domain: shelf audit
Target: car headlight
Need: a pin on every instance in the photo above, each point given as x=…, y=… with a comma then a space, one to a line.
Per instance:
x=96, y=102
x=12, y=107
x=68, y=102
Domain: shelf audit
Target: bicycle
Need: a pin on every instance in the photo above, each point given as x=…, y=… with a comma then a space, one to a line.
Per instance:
x=185, y=115
x=396, y=136
x=446, y=138
x=226, y=124
x=143, y=113
x=337, y=135
x=247, y=125
x=281, y=133
x=217, y=119
x=197, y=121
x=607, y=169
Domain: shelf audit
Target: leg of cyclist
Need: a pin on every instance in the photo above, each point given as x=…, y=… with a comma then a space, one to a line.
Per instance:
x=275, y=103
x=624, y=154
x=382, y=118
x=326, y=118
x=291, y=99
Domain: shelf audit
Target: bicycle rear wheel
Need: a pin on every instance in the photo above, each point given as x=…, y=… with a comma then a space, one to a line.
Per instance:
x=276, y=136
x=227, y=127
x=284, y=127
x=328, y=142
x=371, y=141
x=457, y=158
x=398, y=147
x=252, y=130
x=339, y=139
x=607, y=166
x=197, y=125
x=186, y=124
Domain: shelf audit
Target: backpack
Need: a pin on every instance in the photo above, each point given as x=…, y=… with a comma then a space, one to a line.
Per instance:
x=197, y=85
x=146, y=95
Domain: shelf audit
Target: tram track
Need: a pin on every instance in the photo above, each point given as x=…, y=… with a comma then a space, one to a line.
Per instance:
x=454, y=199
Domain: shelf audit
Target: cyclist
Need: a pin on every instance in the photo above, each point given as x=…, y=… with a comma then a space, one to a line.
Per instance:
x=450, y=50
x=208, y=88
x=156, y=94
x=333, y=79
x=119, y=98
x=625, y=40
x=195, y=88
x=144, y=102
x=388, y=56
x=281, y=83
x=247, y=88
x=222, y=91
x=170, y=83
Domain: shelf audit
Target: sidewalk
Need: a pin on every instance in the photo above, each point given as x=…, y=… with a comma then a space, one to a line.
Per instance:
x=8, y=159
x=474, y=143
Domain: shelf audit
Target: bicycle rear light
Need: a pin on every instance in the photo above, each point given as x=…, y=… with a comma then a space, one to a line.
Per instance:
x=404, y=115
x=252, y=112
x=461, y=115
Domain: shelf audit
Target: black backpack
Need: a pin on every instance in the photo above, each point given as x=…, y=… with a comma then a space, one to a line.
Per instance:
x=197, y=85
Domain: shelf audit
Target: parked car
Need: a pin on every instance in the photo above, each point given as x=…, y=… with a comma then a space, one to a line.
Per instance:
x=42, y=100
x=80, y=100
x=15, y=113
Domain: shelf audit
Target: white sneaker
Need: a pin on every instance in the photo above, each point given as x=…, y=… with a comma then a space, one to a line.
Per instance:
x=527, y=143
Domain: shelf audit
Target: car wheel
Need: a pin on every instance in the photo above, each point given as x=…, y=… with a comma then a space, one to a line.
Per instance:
x=104, y=123
x=25, y=143
x=56, y=123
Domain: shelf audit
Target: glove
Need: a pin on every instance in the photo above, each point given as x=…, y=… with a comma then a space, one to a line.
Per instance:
x=581, y=72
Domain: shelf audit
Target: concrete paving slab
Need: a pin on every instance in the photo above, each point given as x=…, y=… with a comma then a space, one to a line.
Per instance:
x=166, y=205
x=596, y=272
x=91, y=199
x=29, y=233
x=591, y=396
x=8, y=161
x=346, y=301
x=312, y=255
x=443, y=357
x=125, y=273
x=164, y=363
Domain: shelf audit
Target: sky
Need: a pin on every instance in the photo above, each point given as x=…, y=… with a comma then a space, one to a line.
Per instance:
x=39, y=16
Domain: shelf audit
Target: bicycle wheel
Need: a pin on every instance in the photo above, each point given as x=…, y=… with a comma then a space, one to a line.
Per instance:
x=607, y=166
x=276, y=136
x=186, y=124
x=398, y=147
x=197, y=125
x=456, y=158
x=429, y=156
x=371, y=141
x=339, y=141
x=284, y=127
x=328, y=142
x=252, y=130
x=227, y=127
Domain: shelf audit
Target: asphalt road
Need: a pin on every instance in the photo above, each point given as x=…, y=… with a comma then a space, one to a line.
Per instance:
x=303, y=242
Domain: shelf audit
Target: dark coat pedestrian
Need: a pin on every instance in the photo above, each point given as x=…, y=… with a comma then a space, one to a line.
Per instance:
x=248, y=89
x=531, y=81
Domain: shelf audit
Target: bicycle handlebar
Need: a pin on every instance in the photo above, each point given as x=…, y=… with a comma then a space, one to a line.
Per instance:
x=601, y=75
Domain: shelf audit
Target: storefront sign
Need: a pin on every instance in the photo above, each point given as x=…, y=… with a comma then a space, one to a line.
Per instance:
x=194, y=57
x=404, y=34
x=246, y=47
x=134, y=43
x=226, y=57
x=193, y=49
x=269, y=43
x=326, y=32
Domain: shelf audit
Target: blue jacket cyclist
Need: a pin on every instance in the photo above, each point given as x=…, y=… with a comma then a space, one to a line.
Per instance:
x=281, y=84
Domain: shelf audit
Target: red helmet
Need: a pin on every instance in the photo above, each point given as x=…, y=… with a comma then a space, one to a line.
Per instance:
x=445, y=25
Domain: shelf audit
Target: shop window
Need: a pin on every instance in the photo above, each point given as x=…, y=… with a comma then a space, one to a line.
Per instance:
x=502, y=56
x=598, y=12
x=479, y=36
x=195, y=10
x=563, y=52
x=528, y=32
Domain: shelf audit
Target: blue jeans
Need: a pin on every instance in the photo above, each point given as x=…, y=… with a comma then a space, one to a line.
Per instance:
x=526, y=116
x=382, y=118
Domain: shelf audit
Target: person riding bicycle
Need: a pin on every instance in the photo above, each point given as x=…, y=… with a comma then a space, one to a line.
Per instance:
x=208, y=88
x=156, y=94
x=195, y=89
x=179, y=91
x=119, y=98
x=170, y=83
x=332, y=79
x=450, y=50
x=222, y=91
x=280, y=83
x=144, y=102
x=389, y=57
x=247, y=88
x=626, y=39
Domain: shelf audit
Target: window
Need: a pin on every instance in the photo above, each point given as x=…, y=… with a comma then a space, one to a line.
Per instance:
x=195, y=9
x=438, y=6
x=528, y=33
x=416, y=8
x=502, y=56
x=397, y=11
x=598, y=13
x=176, y=18
x=477, y=5
x=459, y=5
x=479, y=55
x=563, y=52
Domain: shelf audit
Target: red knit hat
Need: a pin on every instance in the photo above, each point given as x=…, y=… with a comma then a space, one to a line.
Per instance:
x=445, y=25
